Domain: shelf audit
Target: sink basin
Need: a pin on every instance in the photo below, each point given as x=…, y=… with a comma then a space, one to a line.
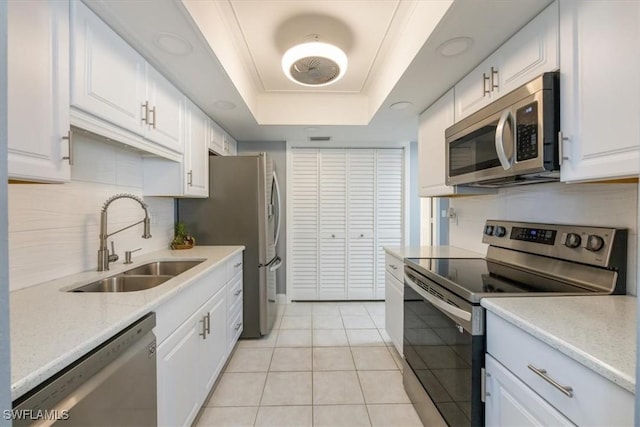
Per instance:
x=124, y=283
x=162, y=268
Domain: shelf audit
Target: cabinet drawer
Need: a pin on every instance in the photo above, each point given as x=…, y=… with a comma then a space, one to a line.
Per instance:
x=394, y=266
x=235, y=328
x=234, y=266
x=234, y=297
x=595, y=400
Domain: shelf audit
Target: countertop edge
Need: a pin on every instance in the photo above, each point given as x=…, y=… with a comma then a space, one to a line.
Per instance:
x=26, y=383
x=580, y=356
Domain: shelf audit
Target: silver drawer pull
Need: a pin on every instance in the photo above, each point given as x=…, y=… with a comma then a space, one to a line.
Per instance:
x=238, y=326
x=566, y=390
x=393, y=266
x=237, y=265
x=236, y=293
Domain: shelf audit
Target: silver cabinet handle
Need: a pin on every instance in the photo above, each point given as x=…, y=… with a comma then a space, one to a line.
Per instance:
x=69, y=139
x=153, y=122
x=237, y=265
x=393, y=267
x=236, y=293
x=502, y=156
x=485, y=79
x=494, y=78
x=203, y=334
x=566, y=390
x=208, y=323
x=238, y=326
x=190, y=178
x=561, y=140
x=145, y=112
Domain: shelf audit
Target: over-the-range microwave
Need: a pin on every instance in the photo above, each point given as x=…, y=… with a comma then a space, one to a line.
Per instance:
x=512, y=141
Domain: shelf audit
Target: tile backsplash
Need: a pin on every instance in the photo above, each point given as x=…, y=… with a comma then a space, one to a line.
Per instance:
x=613, y=205
x=54, y=228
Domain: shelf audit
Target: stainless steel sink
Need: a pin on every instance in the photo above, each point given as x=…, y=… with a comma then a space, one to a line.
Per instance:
x=143, y=277
x=170, y=268
x=124, y=283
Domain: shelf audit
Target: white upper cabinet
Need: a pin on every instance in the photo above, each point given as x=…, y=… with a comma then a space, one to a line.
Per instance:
x=230, y=146
x=431, y=147
x=108, y=75
x=599, y=88
x=190, y=176
x=165, y=108
x=530, y=52
x=117, y=94
x=220, y=142
x=38, y=91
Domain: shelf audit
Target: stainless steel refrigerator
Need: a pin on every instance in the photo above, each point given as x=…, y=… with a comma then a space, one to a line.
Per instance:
x=243, y=208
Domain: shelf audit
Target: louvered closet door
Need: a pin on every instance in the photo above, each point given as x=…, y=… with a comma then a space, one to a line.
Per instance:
x=304, y=224
x=389, y=207
x=333, y=223
x=361, y=185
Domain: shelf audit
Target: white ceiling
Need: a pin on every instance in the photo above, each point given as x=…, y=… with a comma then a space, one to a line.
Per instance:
x=237, y=45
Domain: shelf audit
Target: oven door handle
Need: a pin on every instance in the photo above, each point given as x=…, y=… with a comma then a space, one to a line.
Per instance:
x=502, y=156
x=442, y=305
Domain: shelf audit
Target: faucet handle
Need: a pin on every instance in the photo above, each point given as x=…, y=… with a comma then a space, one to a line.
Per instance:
x=127, y=255
x=113, y=257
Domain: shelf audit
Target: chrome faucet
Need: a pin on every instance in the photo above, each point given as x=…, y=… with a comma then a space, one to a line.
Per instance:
x=104, y=257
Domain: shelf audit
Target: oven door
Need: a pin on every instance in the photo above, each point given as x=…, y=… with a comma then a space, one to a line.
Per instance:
x=444, y=353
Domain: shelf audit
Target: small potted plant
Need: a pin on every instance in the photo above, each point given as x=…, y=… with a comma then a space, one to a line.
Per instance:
x=181, y=237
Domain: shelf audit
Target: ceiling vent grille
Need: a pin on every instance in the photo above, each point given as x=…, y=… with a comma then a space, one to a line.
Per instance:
x=319, y=138
x=314, y=70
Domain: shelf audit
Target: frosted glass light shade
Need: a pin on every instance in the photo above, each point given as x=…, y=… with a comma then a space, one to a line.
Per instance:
x=310, y=50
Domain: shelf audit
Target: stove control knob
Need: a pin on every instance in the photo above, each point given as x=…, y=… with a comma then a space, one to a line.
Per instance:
x=594, y=243
x=488, y=230
x=573, y=240
x=499, y=231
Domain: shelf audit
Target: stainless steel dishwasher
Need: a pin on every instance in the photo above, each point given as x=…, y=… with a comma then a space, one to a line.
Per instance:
x=113, y=385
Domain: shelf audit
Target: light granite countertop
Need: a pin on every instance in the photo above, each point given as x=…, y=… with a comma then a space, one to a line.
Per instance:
x=597, y=331
x=51, y=328
x=403, y=252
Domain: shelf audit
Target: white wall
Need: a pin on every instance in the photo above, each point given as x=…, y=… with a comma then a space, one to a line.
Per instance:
x=54, y=228
x=585, y=204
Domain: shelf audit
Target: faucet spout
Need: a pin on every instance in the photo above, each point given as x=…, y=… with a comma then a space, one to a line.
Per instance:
x=104, y=258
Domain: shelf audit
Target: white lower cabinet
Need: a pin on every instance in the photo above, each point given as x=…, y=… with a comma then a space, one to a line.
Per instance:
x=509, y=402
x=535, y=384
x=394, y=300
x=194, y=342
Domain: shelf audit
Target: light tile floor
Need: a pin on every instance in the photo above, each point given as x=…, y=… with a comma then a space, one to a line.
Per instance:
x=324, y=364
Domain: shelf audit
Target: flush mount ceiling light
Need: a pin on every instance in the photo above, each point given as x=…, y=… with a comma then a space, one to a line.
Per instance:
x=402, y=105
x=172, y=44
x=455, y=46
x=314, y=63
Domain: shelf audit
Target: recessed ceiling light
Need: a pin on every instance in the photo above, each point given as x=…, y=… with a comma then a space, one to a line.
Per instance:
x=314, y=64
x=172, y=44
x=221, y=104
x=402, y=105
x=455, y=46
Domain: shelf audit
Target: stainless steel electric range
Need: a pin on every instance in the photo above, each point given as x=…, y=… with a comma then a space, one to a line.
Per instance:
x=444, y=331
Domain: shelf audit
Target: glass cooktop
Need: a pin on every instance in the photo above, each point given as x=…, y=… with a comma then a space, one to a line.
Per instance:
x=473, y=278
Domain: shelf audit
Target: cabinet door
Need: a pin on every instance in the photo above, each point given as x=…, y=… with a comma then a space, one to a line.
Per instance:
x=332, y=210
x=530, y=52
x=599, y=87
x=196, y=159
x=215, y=138
x=393, y=306
x=431, y=147
x=213, y=351
x=230, y=146
x=165, y=117
x=361, y=185
x=178, y=377
x=304, y=221
x=108, y=75
x=38, y=90
x=509, y=402
x=474, y=91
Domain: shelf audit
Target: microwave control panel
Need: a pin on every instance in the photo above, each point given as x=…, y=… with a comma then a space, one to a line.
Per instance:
x=527, y=132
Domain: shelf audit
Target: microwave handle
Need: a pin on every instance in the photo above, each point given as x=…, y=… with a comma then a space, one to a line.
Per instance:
x=502, y=156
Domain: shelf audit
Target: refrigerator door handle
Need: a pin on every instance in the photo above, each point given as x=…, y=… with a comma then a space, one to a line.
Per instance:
x=275, y=264
x=275, y=181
